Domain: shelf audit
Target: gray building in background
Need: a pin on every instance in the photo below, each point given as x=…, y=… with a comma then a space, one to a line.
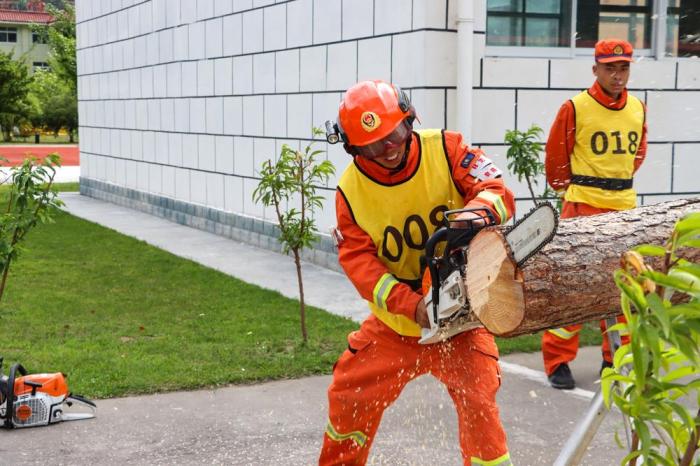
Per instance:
x=182, y=100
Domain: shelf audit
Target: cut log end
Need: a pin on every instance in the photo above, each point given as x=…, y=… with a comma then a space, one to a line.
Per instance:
x=495, y=293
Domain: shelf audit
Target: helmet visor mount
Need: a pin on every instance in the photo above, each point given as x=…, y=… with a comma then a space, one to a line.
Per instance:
x=378, y=148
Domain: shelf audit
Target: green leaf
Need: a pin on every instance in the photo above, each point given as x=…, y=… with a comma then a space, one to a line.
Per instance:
x=639, y=361
x=678, y=373
x=689, y=311
x=689, y=267
x=683, y=414
x=688, y=223
x=660, y=312
x=620, y=358
x=676, y=279
x=691, y=242
x=650, y=250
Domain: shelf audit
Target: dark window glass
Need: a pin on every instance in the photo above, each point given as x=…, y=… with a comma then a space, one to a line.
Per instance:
x=8, y=34
x=39, y=37
x=683, y=28
x=543, y=6
x=621, y=19
x=40, y=65
x=540, y=23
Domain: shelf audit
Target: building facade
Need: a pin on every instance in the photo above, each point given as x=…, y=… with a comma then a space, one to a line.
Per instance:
x=17, y=36
x=181, y=101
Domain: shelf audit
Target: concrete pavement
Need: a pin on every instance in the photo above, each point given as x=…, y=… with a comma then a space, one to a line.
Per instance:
x=282, y=422
x=65, y=174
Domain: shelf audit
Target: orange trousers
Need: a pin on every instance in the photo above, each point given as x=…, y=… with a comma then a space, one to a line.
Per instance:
x=561, y=345
x=379, y=363
x=557, y=350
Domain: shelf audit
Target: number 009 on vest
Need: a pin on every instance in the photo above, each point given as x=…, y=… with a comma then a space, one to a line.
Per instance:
x=401, y=217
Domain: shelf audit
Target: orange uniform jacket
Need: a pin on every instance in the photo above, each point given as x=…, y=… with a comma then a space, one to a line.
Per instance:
x=357, y=253
x=562, y=137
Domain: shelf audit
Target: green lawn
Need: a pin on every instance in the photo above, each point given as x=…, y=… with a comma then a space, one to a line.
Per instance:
x=121, y=317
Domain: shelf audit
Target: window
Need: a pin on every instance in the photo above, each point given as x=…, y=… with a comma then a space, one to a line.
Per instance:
x=545, y=26
x=683, y=28
x=538, y=23
x=623, y=19
x=40, y=65
x=8, y=34
x=39, y=37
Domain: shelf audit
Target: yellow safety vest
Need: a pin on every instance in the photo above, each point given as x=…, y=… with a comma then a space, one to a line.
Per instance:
x=401, y=217
x=602, y=163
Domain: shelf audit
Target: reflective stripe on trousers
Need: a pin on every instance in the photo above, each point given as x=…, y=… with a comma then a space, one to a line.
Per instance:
x=563, y=333
x=501, y=461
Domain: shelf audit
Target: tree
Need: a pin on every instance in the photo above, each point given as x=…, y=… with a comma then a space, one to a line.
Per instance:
x=661, y=362
x=53, y=102
x=61, y=41
x=293, y=179
x=32, y=199
x=14, y=90
x=524, y=157
x=58, y=97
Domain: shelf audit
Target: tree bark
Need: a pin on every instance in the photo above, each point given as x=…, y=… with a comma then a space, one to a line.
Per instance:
x=571, y=279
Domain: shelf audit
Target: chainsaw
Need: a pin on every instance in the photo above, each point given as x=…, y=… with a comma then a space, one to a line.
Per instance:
x=38, y=399
x=446, y=298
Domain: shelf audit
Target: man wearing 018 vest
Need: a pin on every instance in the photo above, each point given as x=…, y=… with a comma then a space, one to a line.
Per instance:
x=389, y=200
x=596, y=144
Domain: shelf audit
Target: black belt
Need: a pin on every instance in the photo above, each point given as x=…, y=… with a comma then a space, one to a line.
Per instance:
x=611, y=184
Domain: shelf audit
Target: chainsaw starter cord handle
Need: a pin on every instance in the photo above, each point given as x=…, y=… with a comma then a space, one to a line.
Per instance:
x=34, y=385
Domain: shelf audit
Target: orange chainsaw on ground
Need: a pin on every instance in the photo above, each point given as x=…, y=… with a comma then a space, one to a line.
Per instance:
x=39, y=399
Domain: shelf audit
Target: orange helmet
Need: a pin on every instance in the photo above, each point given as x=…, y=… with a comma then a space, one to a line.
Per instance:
x=372, y=114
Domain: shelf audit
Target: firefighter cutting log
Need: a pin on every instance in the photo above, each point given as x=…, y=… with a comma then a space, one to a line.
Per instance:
x=389, y=201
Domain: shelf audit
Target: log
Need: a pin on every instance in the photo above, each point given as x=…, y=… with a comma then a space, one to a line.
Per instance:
x=570, y=280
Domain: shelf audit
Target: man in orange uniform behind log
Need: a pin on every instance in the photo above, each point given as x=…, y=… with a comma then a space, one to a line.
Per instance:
x=596, y=144
x=390, y=199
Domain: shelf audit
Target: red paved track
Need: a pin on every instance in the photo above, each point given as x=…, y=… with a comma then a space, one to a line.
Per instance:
x=70, y=154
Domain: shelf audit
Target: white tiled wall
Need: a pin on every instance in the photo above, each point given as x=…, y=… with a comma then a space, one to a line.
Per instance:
x=186, y=99
x=685, y=167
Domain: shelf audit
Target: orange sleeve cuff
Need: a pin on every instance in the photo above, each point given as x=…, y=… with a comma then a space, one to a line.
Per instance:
x=402, y=300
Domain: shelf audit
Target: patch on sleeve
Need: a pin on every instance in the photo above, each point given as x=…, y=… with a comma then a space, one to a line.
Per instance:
x=484, y=169
x=467, y=158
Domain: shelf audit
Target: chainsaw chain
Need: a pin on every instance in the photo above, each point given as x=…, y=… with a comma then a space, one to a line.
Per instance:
x=544, y=243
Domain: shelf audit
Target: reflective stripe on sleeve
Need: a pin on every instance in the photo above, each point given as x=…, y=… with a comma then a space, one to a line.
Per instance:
x=563, y=333
x=497, y=202
x=359, y=437
x=500, y=461
x=382, y=289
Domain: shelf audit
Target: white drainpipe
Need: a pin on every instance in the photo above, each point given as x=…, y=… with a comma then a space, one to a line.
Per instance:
x=465, y=65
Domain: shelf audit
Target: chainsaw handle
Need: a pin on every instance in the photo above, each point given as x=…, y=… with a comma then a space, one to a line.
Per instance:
x=485, y=214
x=9, y=406
x=439, y=235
